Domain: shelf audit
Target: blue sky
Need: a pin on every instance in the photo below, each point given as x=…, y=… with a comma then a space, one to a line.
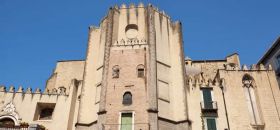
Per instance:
x=34, y=34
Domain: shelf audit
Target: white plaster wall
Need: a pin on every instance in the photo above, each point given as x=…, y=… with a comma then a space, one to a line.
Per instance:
x=66, y=71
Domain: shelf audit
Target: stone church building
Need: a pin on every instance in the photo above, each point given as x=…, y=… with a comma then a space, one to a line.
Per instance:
x=136, y=77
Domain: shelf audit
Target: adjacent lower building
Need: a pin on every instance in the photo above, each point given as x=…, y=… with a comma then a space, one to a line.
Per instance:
x=272, y=57
x=136, y=77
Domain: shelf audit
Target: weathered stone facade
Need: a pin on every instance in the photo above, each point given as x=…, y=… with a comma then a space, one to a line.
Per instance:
x=228, y=94
x=135, y=77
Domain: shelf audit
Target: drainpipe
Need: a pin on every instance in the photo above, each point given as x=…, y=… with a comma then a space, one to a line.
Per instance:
x=222, y=88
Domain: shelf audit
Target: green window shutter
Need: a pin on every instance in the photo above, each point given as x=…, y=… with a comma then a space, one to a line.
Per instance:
x=126, y=121
x=207, y=98
x=211, y=124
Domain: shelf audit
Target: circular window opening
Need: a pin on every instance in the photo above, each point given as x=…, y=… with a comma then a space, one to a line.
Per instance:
x=131, y=31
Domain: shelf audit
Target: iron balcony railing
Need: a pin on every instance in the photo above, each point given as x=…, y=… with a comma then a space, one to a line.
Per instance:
x=135, y=126
x=209, y=106
x=21, y=127
x=13, y=127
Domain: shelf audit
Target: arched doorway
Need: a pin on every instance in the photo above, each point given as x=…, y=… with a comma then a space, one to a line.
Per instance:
x=8, y=121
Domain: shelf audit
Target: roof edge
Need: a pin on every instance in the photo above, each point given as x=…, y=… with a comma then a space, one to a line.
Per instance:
x=69, y=60
x=270, y=50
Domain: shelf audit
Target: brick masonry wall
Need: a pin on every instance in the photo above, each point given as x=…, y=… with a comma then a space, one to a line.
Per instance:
x=127, y=60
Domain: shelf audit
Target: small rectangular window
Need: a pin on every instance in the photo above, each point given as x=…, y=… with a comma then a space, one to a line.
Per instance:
x=141, y=73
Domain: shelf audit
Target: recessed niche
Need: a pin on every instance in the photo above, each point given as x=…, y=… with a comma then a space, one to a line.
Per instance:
x=44, y=111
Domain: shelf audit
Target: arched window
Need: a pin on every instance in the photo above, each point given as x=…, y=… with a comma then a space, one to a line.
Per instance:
x=247, y=81
x=127, y=98
x=140, y=71
x=248, y=85
x=131, y=26
x=116, y=71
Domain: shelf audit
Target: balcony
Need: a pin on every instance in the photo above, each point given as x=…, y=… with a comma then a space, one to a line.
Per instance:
x=209, y=106
x=135, y=126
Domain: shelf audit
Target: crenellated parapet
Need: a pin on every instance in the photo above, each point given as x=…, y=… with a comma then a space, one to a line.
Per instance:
x=140, y=5
x=252, y=67
x=20, y=90
x=199, y=80
x=131, y=24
